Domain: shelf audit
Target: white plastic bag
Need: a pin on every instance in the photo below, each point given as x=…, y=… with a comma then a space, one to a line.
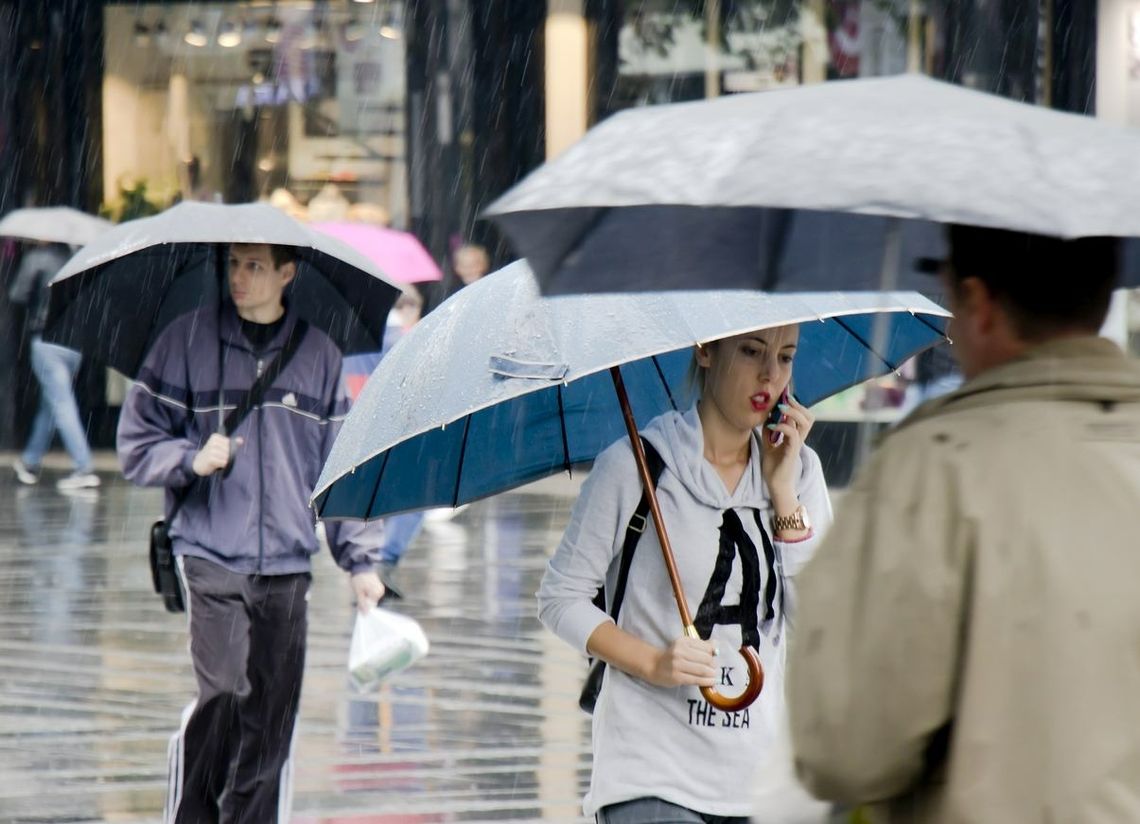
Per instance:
x=383, y=643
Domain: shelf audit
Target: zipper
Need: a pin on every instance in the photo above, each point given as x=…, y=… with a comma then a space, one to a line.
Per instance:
x=260, y=496
x=260, y=483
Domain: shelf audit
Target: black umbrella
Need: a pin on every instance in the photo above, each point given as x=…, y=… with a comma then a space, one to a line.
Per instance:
x=113, y=298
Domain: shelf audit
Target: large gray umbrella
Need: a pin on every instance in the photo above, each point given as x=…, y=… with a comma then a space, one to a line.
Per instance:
x=53, y=224
x=119, y=292
x=826, y=186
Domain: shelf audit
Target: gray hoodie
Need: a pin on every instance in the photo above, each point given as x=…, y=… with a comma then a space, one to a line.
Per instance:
x=257, y=519
x=670, y=743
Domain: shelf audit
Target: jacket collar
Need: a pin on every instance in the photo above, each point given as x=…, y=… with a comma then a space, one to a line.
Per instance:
x=1077, y=369
x=231, y=329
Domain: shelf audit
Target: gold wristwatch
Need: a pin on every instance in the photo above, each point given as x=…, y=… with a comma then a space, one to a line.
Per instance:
x=798, y=520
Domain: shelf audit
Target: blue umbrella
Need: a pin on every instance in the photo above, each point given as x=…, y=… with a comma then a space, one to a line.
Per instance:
x=498, y=387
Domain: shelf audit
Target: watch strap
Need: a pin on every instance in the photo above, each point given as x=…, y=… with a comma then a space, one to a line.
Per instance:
x=793, y=521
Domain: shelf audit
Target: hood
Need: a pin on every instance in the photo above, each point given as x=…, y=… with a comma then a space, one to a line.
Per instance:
x=680, y=440
x=1089, y=369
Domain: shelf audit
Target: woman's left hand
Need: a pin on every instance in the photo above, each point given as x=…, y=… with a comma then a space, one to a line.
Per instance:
x=780, y=463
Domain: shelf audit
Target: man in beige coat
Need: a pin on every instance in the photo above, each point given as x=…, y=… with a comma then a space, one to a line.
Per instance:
x=968, y=638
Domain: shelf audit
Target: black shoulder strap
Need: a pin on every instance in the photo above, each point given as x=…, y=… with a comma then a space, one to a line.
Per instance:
x=637, y=524
x=253, y=397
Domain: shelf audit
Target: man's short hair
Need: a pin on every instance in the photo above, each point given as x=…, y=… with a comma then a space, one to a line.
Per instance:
x=1046, y=284
x=280, y=255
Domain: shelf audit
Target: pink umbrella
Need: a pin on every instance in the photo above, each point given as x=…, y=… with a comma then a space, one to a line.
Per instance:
x=399, y=255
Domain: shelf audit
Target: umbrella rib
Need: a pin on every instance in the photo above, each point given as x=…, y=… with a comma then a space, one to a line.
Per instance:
x=565, y=439
x=462, y=455
x=922, y=319
x=664, y=383
x=376, y=488
x=865, y=343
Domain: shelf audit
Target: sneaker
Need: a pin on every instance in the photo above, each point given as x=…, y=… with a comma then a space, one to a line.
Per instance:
x=25, y=474
x=77, y=480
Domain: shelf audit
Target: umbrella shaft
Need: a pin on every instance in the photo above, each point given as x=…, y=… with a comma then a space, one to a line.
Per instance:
x=651, y=495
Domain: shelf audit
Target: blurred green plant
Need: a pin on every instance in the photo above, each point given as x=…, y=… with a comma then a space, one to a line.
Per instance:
x=132, y=203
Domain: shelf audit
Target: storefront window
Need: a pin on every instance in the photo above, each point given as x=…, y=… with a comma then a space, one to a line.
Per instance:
x=672, y=50
x=294, y=102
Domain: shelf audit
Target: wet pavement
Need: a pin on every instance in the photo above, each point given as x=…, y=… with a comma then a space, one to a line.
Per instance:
x=94, y=674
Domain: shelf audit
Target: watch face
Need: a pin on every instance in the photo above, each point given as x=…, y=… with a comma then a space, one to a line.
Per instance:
x=802, y=512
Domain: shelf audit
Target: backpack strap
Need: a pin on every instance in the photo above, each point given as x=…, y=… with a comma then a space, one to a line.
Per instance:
x=636, y=526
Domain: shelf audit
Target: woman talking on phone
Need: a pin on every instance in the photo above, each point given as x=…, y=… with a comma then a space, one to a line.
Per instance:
x=744, y=502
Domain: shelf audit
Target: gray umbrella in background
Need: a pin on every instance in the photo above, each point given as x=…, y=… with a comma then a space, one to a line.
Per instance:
x=113, y=298
x=53, y=224
x=841, y=185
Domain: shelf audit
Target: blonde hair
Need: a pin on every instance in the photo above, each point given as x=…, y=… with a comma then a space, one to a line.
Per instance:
x=695, y=376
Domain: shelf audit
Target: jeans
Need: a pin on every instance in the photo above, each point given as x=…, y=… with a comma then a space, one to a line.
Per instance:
x=55, y=368
x=399, y=532
x=656, y=811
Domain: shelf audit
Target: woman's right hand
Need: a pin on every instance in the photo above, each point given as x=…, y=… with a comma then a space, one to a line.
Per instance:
x=686, y=661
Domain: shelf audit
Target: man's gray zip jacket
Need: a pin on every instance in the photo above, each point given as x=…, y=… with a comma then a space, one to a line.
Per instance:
x=257, y=519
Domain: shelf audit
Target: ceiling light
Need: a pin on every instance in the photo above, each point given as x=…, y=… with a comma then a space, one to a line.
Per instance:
x=196, y=35
x=272, y=30
x=390, y=31
x=229, y=35
x=392, y=27
x=353, y=31
x=142, y=34
x=311, y=38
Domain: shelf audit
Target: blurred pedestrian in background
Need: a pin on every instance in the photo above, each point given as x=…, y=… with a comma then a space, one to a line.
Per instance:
x=55, y=368
x=470, y=263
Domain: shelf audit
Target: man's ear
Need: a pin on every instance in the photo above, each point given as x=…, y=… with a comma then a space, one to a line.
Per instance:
x=288, y=272
x=977, y=305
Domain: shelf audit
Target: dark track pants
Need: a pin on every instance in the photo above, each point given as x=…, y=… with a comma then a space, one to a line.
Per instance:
x=231, y=760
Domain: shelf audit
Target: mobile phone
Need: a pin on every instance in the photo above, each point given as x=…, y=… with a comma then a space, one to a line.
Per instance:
x=776, y=416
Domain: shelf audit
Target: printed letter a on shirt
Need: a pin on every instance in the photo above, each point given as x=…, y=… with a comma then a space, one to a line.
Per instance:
x=734, y=541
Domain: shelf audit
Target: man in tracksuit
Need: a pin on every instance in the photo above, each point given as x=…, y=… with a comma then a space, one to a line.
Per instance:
x=245, y=533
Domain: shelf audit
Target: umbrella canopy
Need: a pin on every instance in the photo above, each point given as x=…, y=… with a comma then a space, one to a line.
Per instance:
x=119, y=292
x=55, y=224
x=835, y=185
x=462, y=408
x=399, y=255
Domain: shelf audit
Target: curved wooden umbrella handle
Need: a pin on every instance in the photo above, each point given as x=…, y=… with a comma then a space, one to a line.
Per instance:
x=751, y=659
x=751, y=692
